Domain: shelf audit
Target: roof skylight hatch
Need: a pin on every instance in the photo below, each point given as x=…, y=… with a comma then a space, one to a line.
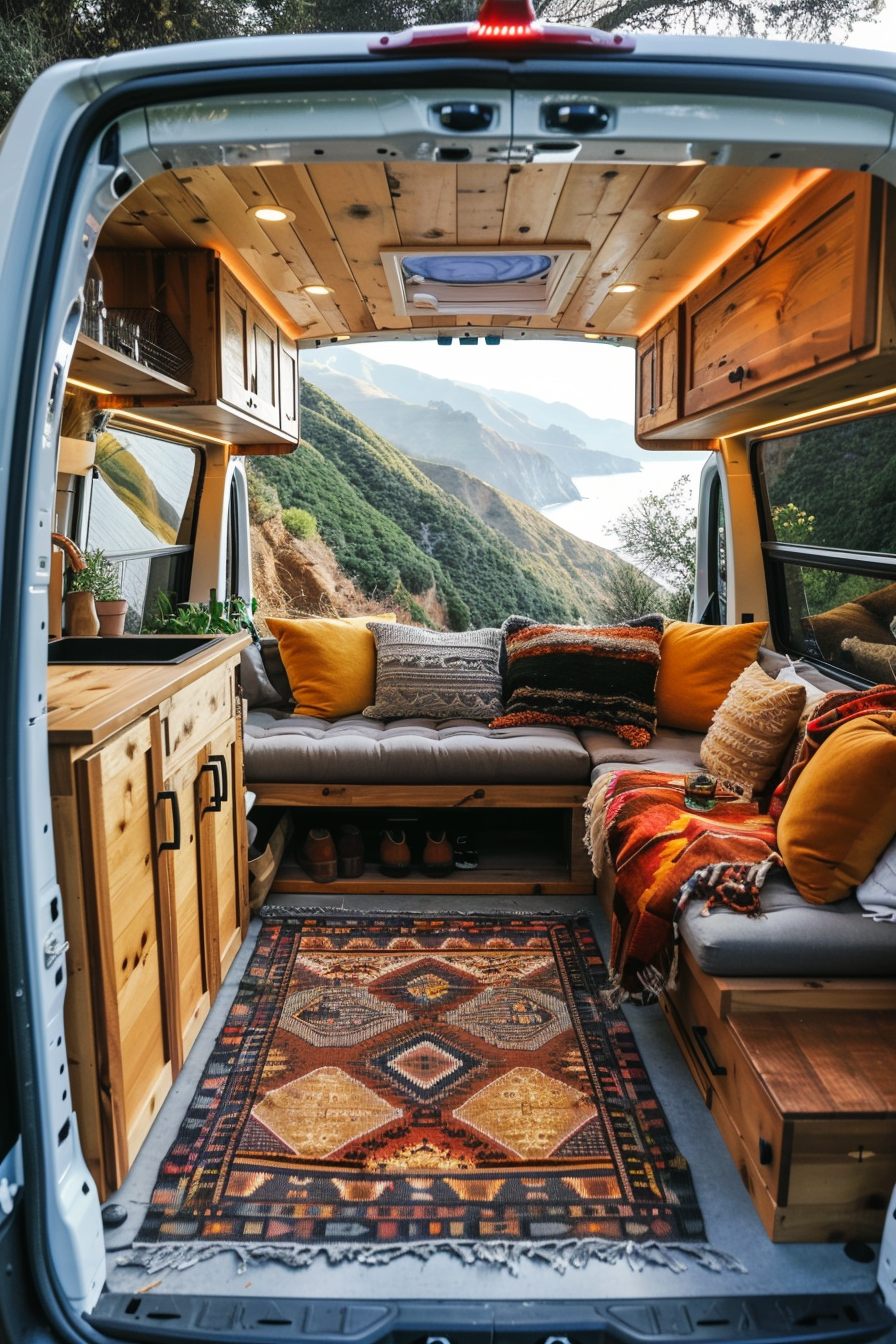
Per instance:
x=507, y=281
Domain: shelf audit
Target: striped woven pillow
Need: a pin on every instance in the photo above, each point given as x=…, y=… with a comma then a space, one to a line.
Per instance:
x=583, y=676
x=431, y=674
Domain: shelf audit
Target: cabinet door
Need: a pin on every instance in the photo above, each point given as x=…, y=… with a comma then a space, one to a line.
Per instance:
x=289, y=386
x=800, y=297
x=658, y=375
x=180, y=829
x=129, y=925
x=222, y=852
x=237, y=367
x=264, y=372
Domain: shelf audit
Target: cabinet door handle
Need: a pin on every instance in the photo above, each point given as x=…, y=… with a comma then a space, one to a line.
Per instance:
x=222, y=761
x=717, y=1070
x=215, y=804
x=175, y=817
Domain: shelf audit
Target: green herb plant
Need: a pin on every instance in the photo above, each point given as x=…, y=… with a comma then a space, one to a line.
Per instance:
x=203, y=618
x=99, y=576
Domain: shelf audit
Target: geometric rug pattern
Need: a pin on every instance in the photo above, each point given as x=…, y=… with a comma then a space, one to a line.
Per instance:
x=390, y=1080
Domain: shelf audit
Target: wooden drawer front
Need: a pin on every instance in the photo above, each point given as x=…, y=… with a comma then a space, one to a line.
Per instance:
x=799, y=308
x=196, y=711
x=845, y=1162
x=712, y=1047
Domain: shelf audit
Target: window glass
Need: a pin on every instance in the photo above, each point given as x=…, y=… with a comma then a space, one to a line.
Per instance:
x=721, y=554
x=844, y=619
x=142, y=498
x=835, y=486
x=142, y=501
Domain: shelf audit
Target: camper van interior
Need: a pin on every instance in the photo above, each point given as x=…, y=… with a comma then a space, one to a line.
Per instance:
x=254, y=1093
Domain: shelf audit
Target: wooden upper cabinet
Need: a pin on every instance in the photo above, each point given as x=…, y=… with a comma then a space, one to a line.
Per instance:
x=658, y=364
x=245, y=367
x=801, y=296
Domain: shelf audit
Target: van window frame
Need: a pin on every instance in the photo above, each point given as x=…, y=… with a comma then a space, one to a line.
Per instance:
x=776, y=554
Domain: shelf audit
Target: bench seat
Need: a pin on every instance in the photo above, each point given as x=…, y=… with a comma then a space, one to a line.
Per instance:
x=284, y=748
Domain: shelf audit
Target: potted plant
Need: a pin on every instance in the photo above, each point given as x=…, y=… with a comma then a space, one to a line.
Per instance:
x=100, y=577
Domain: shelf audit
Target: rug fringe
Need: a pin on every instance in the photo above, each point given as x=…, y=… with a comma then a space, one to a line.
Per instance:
x=509, y=1255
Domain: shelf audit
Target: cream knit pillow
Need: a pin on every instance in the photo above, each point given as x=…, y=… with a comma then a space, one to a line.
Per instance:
x=751, y=729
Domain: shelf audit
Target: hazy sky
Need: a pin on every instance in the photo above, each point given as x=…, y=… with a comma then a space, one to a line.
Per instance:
x=598, y=379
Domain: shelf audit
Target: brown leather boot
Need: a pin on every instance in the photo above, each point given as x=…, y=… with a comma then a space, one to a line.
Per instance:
x=395, y=854
x=351, y=852
x=318, y=856
x=438, y=856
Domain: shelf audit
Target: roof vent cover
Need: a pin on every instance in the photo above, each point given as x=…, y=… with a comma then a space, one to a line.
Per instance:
x=506, y=281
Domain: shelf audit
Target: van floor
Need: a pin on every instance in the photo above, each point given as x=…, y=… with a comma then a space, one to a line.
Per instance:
x=732, y=1223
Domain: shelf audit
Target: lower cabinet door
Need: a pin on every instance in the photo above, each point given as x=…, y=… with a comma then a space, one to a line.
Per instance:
x=179, y=818
x=222, y=852
x=128, y=922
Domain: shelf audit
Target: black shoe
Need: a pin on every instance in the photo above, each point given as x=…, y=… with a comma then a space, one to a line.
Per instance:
x=465, y=855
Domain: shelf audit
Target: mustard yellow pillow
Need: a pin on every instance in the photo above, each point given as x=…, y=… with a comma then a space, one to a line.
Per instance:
x=698, y=663
x=330, y=663
x=841, y=814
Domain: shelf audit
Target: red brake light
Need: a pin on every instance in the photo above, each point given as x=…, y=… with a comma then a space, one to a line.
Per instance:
x=504, y=21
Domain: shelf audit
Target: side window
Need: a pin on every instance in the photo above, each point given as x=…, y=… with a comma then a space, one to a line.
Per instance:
x=829, y=502
x=233, y=557
x=142, y=505
x=711, y=607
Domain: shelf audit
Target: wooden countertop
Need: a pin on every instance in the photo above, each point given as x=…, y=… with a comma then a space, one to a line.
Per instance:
x=88, y=702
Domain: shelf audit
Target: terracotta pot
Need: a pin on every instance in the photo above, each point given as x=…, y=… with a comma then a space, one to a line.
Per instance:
x=80, y=614
x=112, y=616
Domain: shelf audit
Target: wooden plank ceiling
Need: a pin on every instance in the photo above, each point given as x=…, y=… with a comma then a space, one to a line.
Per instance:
x=346, y=212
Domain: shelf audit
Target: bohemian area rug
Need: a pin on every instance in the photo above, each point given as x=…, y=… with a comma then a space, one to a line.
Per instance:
x=394, y=1085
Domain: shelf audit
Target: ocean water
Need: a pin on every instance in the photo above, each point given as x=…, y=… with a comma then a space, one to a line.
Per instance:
x=604, y=498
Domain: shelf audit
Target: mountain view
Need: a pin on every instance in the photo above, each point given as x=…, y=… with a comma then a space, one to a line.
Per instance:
x=421, y=495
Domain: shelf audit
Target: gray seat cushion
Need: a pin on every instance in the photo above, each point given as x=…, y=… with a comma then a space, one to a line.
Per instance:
x=793, y=939
x=282, y=748
x=669, y=749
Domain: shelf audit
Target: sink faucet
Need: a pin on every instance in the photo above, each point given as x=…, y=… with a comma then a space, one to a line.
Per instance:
x=75, y=558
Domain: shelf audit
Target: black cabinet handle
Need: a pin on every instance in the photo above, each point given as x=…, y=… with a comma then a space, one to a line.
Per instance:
x=175, y=817
x=215, y=804
x=766, y=1153
x=717, y=1070
x=222, y=761
x=737, y=375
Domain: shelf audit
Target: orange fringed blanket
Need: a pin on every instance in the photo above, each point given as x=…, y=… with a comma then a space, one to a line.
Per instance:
x=663, y=854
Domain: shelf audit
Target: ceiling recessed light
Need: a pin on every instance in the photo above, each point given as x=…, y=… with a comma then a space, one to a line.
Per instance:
x=680, y=214
x=592, y=336
x=317, y=289
x=272, y=214
x=624, y=288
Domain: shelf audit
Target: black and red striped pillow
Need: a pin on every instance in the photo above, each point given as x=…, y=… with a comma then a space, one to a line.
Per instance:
x=583, y=676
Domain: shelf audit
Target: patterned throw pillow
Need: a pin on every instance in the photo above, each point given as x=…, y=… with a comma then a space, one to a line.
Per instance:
x=427, y=674
x=583, y=676
x=751, y=728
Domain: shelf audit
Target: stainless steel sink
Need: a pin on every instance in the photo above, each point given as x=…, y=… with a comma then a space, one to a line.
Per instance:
x=129, y=648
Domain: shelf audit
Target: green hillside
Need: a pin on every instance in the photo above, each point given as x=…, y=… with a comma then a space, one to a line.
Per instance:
x=386, y=522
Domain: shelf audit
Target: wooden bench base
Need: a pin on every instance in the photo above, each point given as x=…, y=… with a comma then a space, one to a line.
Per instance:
x=522, y=864
x=800, y=1076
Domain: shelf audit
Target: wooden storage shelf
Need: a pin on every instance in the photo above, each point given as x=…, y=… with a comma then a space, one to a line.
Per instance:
x=111, y=373
x=536, y=851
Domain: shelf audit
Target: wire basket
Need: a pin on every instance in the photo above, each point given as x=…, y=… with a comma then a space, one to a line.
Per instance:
x=150, y=338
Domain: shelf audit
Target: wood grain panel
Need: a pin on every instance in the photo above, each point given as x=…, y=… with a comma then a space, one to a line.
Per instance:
x=358, y=204
x=424, y=196
x=533, y=190
x=481, y=190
